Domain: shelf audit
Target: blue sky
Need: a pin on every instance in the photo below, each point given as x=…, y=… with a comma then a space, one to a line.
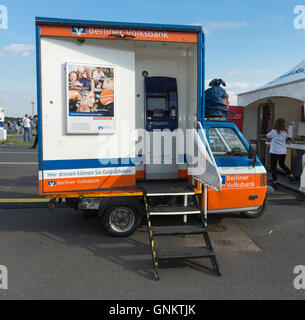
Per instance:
x=249, y=43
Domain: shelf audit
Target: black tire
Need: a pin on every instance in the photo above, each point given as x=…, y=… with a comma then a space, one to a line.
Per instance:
x=72, y=203
x=255, y=213
x=121, y=221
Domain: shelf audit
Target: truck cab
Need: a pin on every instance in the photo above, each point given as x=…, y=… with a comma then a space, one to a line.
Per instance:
x=244, y=178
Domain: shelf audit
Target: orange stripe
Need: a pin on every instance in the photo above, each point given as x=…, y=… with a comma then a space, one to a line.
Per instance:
x=103, y=33
x=102, y=118
x=93, y=183
x=95, y=194
x=40, y=187
x=182, y=174
x=141, y=175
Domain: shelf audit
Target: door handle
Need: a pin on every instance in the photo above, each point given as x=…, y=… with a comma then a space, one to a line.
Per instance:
x=253, y=198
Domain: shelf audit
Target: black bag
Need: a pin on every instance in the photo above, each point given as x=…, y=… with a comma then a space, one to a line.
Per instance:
x=217, y=100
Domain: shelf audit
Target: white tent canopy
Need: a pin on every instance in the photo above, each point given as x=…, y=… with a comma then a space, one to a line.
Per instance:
x=290, y=85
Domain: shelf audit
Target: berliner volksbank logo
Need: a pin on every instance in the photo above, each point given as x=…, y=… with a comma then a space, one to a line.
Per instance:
x=79, y=30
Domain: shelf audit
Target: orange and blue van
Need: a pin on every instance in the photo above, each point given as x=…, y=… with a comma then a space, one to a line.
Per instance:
x=97, y=83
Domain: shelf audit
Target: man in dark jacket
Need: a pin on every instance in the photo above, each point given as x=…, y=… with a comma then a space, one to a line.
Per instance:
x=36, y=128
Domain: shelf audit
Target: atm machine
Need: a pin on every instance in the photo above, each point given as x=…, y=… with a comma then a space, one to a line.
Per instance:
x=162, y=113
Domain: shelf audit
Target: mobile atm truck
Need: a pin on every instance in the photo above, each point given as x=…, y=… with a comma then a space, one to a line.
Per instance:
x=98, y=83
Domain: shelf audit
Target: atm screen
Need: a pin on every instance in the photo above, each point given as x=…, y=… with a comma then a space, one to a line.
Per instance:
x=157, y=103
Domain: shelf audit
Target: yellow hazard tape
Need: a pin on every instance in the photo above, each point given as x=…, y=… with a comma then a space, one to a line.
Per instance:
x=282, y=197
x=24, y=200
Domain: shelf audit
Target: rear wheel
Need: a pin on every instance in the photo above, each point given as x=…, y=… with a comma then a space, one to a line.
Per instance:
x=121, y=221
x=255, y=213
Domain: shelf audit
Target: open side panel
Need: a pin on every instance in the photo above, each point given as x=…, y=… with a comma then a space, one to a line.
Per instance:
x=201, y=162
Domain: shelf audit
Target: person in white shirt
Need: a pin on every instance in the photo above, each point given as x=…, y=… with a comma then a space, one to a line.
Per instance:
x=26, y=123
x=99, y=78
x=278, y=150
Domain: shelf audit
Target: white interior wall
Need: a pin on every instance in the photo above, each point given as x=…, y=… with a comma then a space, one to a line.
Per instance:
x=286, y=108
x=192, y=112
x=55, y=53
x=168, y=60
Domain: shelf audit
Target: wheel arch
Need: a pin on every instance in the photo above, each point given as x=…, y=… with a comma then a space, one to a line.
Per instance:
x=134, y=202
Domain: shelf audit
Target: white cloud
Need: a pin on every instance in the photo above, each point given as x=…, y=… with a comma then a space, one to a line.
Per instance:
x=18, y=48
x=240, y=72
x=235, y=72
x=214, y=25
x=239, y=87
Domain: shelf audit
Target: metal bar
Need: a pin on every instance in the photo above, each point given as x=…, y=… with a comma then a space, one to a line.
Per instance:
x=203, y=105
x=223, y=140
x=206, y=205
x=174, y=213
x=199, y=78
x=151, y=240
x=39, y=99
x=210, y=152
x=170, y=194
x=185, y=218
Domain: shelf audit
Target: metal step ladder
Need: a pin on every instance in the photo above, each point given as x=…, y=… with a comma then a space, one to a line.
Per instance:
x=205, y=251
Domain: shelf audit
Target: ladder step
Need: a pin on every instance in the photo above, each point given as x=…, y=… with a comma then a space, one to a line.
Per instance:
x=171, y=194
x=163, y=211
x=184, y=253
x=178, y=230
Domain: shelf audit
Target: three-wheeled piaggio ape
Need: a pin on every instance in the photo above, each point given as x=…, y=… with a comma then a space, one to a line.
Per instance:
x=102, y=85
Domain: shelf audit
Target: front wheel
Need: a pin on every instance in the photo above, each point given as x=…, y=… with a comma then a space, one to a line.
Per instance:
x=255, y=213
x=121, y=221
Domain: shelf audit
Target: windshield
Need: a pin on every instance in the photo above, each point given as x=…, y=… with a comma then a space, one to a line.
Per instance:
x=226, y=142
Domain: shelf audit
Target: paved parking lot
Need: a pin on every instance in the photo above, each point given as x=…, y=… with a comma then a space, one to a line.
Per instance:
x=61, y=255
x=19, y=172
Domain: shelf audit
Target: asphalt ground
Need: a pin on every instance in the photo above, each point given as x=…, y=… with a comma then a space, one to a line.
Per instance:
x=18, y=172
x=59, y=254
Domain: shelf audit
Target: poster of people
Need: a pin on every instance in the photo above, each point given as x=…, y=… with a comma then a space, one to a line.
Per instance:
x=91, y=99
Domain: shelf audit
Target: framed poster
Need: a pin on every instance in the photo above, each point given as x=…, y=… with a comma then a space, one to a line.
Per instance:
x=90, y=99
